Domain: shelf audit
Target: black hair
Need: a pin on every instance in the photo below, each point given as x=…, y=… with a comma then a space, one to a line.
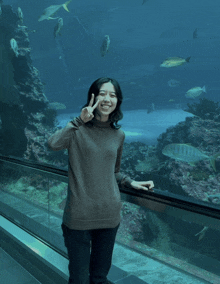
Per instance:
x=117, y=114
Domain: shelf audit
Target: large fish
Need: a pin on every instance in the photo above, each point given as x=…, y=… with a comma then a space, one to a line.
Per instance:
x=174, y=61
x=188, y=154
x=50, y=11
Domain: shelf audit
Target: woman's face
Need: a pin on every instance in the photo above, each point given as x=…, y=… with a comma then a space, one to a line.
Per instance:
x=107, y=101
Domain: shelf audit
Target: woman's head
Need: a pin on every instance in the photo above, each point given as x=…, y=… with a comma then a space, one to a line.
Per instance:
x=109, y=94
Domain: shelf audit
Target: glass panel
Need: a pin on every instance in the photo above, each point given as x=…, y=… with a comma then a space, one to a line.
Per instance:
x=33, y=199
x=168, y=71
x=198, y=181
x=154, y=241
x=182, y=240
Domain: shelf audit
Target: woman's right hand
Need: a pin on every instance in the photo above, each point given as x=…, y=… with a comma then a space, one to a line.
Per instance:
x=87, y=112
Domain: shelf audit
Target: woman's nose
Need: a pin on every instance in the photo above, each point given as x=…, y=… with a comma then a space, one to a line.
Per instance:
x=106, y=98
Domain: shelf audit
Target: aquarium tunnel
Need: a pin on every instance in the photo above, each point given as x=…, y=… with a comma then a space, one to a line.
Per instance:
x=165, y=57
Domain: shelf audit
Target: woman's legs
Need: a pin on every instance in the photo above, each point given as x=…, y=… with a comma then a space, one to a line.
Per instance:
x=78, y=247
x=103, y=241
x=81, y=263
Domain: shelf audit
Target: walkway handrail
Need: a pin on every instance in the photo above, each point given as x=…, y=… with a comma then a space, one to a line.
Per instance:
x=158, y=196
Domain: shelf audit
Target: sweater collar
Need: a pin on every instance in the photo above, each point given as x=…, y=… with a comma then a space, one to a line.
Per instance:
x=99, y=123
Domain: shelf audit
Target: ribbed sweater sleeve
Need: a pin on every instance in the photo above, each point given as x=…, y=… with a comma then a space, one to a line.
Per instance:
x=122, y=179
x=61, y=138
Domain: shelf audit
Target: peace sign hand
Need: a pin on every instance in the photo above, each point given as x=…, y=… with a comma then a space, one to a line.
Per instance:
x=87, y=112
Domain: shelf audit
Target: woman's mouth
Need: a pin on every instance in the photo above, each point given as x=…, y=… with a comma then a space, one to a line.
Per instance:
x=105, y=106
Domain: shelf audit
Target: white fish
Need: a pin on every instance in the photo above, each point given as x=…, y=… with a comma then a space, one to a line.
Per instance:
x=58, y=27
x=14, y=46
x=50, y=11
x=105, y=45
x=195, y=92
x=20, y=15
x=188, y=154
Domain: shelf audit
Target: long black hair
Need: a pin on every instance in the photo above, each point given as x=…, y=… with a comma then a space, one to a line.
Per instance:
x=117, y=114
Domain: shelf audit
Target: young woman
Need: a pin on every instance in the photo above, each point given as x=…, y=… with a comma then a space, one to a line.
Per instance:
x=92, y=212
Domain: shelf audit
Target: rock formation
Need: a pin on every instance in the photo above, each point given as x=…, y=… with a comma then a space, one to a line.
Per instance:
x=26, y=118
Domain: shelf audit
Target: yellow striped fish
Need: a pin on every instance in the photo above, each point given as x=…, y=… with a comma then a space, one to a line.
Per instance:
x=188, y=154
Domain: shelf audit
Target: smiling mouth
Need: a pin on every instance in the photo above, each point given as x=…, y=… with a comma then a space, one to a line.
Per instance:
x=105, y=106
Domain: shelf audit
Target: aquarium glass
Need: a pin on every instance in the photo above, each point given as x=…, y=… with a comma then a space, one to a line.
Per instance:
x=165, y=56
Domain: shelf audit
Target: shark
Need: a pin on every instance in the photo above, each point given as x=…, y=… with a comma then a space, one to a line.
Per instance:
x=51, y=10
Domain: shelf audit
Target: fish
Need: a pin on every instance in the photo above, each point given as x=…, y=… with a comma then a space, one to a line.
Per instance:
x=144, y=1
x=174, y=61
x=14, y=46
x=187, y=153
x=201, y=234
x=173, y=83
x=50, y=11
x=58, y=27
x=195, y=92
x=20, y=15
x=105, y=45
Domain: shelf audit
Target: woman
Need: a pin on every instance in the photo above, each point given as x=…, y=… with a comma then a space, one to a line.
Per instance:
x=92, y=212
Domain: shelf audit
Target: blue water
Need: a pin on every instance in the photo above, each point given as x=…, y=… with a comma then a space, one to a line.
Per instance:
x=158, y=29
x=139, y=125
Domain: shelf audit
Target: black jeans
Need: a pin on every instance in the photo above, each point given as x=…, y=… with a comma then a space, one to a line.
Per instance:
x=86, y=267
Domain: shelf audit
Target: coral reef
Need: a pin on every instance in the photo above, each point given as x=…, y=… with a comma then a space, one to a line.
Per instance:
x=201, y=179
x=27, y=119
x=206, y=109
x=35, y=189
x=144, y=162
x=142, y=225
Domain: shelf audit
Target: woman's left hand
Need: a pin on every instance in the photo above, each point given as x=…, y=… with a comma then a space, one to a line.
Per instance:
x=145, y=185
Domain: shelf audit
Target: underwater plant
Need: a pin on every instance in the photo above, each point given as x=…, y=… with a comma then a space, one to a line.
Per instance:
x=205, y=109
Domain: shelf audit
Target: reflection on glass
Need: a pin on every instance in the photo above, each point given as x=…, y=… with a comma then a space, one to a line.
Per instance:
x=57, y=196
x=178, y=238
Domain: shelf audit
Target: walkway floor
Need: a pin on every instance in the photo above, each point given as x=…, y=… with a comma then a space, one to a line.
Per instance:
x=12, y=272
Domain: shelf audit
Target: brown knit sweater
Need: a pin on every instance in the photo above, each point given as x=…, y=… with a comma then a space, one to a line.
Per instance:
x=93, y=199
